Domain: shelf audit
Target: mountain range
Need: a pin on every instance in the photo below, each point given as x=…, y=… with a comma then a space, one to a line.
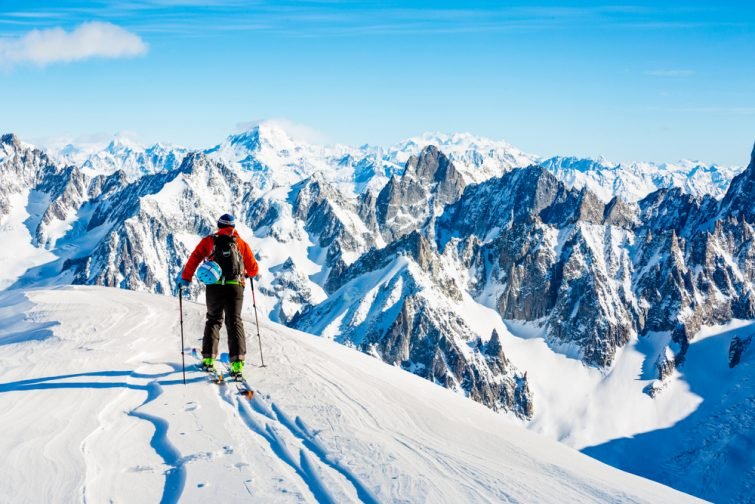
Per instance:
x=574, y=296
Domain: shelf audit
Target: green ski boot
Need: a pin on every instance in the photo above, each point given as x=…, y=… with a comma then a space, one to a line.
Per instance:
x=236, y=368
x=208, y=364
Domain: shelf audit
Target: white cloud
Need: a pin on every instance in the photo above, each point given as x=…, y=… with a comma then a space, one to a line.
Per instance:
x=88, y=40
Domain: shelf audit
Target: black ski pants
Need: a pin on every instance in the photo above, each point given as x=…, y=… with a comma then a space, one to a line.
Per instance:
x=226, y=299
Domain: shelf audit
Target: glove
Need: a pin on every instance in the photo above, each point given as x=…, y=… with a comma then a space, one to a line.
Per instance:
x=181, y=283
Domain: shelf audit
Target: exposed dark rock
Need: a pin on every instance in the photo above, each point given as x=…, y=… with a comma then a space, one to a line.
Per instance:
x=407, y=203
x=417, y=342
x=737, y=348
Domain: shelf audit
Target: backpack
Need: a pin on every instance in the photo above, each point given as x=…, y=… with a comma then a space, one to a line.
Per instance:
x=228, y=256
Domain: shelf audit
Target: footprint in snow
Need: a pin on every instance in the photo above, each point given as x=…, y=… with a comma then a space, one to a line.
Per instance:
x=141, y=468
x=199, y=456
x=191, y=406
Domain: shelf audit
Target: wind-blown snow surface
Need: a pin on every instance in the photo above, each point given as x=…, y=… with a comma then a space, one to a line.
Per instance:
x=92, y=408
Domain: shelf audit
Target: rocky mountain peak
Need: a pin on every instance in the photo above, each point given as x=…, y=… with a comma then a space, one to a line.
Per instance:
x=192, y=161
x=534, y=190
x=430, y=165
x=10, y=139
x=738, y=201
x=434, y=168
x=429, y=182
x=494, y=347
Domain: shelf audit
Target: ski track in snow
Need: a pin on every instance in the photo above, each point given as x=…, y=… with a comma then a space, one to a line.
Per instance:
x=270, y=423
x=299, y=429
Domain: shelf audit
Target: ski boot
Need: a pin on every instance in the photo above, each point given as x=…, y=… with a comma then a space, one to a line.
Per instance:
x=236, y=368
x=208, y=364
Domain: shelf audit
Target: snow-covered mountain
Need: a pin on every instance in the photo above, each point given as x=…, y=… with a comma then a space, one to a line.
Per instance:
x=634, y=181
x=120, y=154
x=479, y=159
x=269, y=155
x=576, y=316
x=92, y=384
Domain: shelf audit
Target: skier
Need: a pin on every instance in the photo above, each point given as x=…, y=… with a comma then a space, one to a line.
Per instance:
x=230, y=260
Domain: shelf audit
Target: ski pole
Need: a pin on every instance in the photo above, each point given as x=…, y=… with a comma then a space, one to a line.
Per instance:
x=181, y=316
x=256, y=318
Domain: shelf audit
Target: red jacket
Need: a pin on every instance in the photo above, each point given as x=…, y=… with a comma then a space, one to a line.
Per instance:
x=204, y=250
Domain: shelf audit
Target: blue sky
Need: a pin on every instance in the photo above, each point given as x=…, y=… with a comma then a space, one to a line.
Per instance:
x=637, y=80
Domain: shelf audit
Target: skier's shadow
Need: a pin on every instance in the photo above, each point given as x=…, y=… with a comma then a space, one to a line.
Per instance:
x=54, y=382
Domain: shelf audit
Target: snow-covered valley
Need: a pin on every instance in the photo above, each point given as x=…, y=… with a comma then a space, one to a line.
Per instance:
x=94, y=410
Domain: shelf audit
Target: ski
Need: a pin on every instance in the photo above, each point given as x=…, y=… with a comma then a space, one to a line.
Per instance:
x=217, y=376
x=242, y=386
x=213, y=374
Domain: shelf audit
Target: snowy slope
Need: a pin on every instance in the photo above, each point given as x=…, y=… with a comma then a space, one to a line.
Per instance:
x=15, y=228
x=697, y=435
x=328, y=424
x=709, y=452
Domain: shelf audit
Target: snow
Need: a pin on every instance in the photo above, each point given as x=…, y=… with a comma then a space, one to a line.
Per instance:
x=633, y=181
x=18, y=253
x=272, y=252
x=36, y=204
x=701, y=421
x=269, y=155
x=709, y=452
x=580, y=405
x=345, y=309
x=327, y=423
x=78, y=243
x=120, y=153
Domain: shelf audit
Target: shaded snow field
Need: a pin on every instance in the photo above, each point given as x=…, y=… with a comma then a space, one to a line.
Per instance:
x=701, y=422
x=93, y=408
x=25, y=214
